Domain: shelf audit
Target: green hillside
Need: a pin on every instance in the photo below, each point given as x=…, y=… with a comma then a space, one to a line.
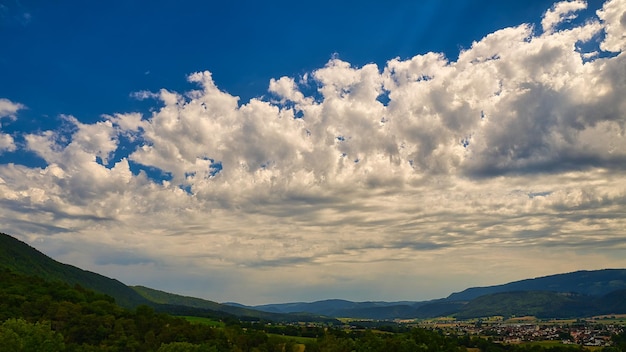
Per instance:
x=542, y=304
x=21, y=258
x=162, y=297
x=52, y=316
x=43, y=315
x=614, y=302
x=18, y=256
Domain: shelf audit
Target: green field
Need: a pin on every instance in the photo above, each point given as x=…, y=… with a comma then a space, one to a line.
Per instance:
x=205, y=321
x=619, y=319
x=547, y=343
x=298, y=339
x=552, y=343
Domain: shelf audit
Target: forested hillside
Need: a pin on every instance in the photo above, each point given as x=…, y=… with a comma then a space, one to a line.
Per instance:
x=584, y=282
x=17, y=256
x=84, y=320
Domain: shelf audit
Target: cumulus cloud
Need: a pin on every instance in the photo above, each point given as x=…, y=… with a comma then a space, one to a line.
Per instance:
x=8, y=109
x=613, y=14
x=6, y=142
x=560, y=12
x=516, y=147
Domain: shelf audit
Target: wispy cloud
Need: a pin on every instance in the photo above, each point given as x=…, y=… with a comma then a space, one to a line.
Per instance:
x=14, y=14
x=9, y=108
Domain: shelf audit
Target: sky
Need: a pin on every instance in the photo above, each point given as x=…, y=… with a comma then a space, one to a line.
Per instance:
x=280, y=151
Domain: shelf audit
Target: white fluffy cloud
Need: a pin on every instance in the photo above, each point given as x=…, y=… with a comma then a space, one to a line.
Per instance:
x=8, y=109
x=6, y=143
x=516, y=149
x=614, y=18
x=560, y=12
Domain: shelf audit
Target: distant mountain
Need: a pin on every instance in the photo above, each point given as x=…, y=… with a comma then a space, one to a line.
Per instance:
x=379, y=310
x=577, y=294
x=541, y=304
x=19, y=257
x=325, y=307
x=591, y=283
x=174, y=303
x=335, y=308
x=330, y=307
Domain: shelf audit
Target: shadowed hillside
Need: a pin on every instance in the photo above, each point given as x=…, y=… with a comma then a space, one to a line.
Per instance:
x=19, y=257
x=591, y=283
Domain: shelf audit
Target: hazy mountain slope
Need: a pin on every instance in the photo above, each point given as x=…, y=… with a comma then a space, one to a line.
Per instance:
x=19, y=257
x=333, y=307
x=592, y=283
x=324, y=307
x=439, y=308
x=367, y=310
x=174, y=303
x=597, y=292
x=544, y=304
x=162, y=297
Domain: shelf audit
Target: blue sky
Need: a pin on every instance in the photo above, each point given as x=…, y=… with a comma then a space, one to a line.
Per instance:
x=208, y=149
x=84, y=59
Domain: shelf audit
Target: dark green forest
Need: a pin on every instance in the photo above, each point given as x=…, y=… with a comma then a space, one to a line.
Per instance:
x=40, y=315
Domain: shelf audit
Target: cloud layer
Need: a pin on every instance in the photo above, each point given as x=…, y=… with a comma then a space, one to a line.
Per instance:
x=350, y=181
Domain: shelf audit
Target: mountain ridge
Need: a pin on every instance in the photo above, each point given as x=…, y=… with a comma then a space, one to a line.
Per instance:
x=595, y=284
x=569, y=295
x=588, y=282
